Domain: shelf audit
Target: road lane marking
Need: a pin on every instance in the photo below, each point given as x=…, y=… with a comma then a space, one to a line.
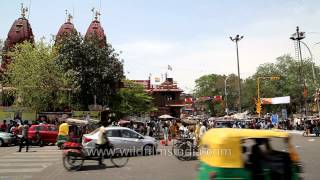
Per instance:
x=37, y=153
x=23, y=177
x=21, y=170
x=29, y=156
x=24, y=164
x=28, y=160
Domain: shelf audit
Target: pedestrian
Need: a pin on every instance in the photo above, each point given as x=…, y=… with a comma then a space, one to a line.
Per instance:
x=203, y=129
x=3, y=126
x=24, y=139
x=147, y=129
x=165, y=133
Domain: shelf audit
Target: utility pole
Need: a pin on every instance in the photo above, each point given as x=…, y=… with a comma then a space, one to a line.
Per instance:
x=236, y=39
x=298, y=36
x=226, y=94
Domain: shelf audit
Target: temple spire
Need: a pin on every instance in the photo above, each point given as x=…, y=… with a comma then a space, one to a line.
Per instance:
x=24, y=11
x=69, y=17
x=96, y=14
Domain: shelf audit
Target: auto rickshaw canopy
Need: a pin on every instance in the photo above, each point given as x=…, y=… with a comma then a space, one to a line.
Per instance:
x=221, y=147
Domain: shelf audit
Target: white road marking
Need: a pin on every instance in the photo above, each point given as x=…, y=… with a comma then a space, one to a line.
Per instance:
x=29, y=156
x=310, y=140
x=21, y=170
x=24, y=164
x=29, y=160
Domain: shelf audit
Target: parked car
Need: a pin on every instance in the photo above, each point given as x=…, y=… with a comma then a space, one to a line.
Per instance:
x=6, y=138
x=48, y=133
x=124, y=139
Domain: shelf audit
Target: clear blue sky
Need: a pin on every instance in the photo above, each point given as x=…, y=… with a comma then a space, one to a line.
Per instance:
x=190, y=35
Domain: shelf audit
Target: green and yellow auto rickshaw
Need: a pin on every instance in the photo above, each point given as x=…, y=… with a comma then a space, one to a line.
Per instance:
x=228, y=153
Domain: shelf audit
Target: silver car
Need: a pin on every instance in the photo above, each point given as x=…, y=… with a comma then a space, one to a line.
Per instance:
x=124, y=139
x=6, y=138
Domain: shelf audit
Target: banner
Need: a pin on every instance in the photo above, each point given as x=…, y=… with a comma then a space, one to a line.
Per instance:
x=86, y=114
x=6, y=115
x=30, y=116
x=276, y=100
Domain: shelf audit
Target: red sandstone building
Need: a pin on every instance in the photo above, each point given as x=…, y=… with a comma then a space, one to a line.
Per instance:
x=166, y=97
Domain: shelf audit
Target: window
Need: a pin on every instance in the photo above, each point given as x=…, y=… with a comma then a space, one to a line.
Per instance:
x=52, y=128
x=129, y=134
x=113, y=133
x=39, y=128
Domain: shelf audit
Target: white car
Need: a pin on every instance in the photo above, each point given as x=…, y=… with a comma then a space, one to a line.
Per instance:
x=124, y=139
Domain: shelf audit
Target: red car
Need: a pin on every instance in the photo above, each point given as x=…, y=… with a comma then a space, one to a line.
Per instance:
x=48, y=132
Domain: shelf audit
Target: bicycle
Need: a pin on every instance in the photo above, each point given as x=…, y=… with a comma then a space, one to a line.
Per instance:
x=184, y=149
x=74, y=156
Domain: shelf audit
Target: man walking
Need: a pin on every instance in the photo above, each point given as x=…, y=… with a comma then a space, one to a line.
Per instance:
x=24, y=138
x=3, y=126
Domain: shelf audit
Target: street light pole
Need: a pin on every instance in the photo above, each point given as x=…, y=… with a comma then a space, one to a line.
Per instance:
x=226, y=94
x=298, y=36
x=236, y=39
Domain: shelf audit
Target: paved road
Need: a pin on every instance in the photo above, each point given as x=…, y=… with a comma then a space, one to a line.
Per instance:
x=45, y=163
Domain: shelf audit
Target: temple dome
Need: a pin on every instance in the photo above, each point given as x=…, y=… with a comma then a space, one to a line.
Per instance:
x=66, y=29
x=19, y=32
x=95, y=30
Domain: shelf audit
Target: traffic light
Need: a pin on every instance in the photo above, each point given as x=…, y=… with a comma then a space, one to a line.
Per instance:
x=275, y=78
x=258, y=106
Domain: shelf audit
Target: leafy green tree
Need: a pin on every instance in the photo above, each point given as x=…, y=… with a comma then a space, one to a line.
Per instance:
x=213, y=85
x=1, y=47
x=38, y=80
x=132, y=100
x=96, y=69
x=289, y=84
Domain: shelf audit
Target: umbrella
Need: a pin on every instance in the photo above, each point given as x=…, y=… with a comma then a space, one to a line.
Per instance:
x=121, y=122
x=166, y=116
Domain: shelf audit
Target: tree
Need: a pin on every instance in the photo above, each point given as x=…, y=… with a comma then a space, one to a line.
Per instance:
x=132, y=100
x=289, y=83
x=1, y=49
x=38, y=80
x=213, y=85
x=96, y=69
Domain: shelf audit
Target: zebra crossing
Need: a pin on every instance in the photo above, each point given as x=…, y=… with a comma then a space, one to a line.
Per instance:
x=23, y=165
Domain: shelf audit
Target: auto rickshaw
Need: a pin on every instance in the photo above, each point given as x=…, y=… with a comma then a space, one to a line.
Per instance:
x=73, y=129
x=224, y=154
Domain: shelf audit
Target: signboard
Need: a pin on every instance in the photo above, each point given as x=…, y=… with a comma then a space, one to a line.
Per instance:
x=86, y=114
x=6, y=115
x=284, y=114
x=30, y=116
x=274, y=119
x=276, y=100
x=188, y=100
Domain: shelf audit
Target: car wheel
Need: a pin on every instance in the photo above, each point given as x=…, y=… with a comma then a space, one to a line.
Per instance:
x=1, y=143
x=148, y=150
